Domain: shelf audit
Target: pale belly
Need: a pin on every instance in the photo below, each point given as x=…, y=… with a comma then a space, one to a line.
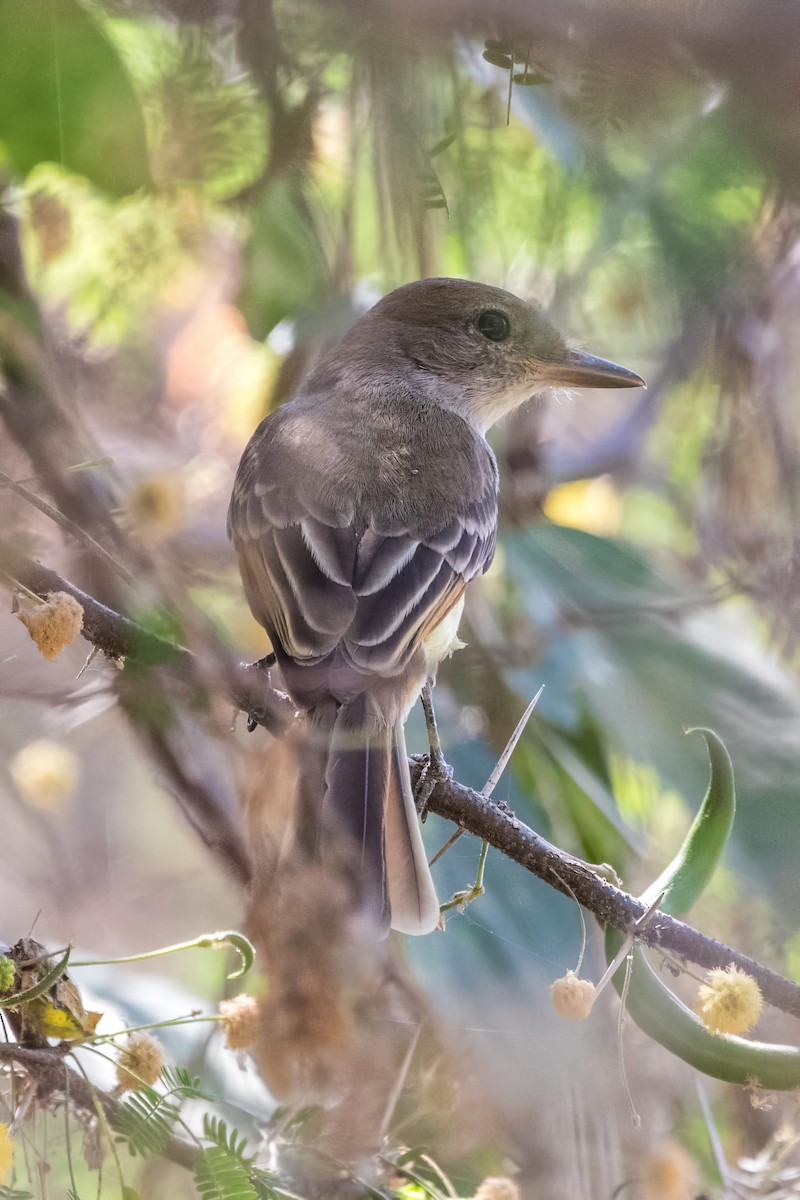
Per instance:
x=443, y=640
x=440, y=642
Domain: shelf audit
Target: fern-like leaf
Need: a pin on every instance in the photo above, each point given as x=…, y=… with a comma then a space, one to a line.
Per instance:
x=144, y=1121
x=223, y=1170
x=220, y=1175
x=178, y=1081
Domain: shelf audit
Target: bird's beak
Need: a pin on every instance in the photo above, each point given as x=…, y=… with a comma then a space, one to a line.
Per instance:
x=579, y=369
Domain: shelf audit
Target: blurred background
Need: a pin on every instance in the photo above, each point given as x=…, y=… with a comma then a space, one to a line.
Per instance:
x=196, y=198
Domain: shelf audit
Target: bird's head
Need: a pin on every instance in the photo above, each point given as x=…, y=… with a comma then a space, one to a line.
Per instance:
x=476, y=349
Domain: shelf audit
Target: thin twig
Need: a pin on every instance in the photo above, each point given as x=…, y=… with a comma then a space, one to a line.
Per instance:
x=70, y=527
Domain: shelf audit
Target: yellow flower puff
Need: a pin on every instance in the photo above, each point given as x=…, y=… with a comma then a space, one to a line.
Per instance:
x=240, y=1021
x=497, y=1187
x=54, y=624
x=46, y=774
x=156, y=508
x=670, y=1174
x=140, y=1062
x=730, y=1001
x=573, y=997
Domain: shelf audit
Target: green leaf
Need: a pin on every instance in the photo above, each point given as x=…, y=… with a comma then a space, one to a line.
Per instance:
x=178, y=1079
x=242, y=945
x=688, y=874
x=219, y=1176
x=216, y=1131
x=66, y=97
x=659, y=1013
x=426, y=1179
x=144, y=1120
x=282, y=272
x=530, y=79
x=504, y=61
x=653, y=1006
x=442, y=145
x=223, y=1172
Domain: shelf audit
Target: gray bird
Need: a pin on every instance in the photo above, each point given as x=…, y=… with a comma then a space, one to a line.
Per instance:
x=361, y=510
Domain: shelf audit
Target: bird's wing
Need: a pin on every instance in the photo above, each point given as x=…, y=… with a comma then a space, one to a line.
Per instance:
x=356, y=601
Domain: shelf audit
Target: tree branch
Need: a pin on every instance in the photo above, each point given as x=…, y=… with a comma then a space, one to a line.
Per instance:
x=251, y=691
x=52, y=1075
x=119, y=637
x=498, y=825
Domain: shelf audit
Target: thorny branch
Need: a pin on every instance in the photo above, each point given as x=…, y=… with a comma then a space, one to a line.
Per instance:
x=494, y=822
x=119, y=637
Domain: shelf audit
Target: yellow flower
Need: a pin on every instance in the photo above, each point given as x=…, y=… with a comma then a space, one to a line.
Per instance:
x=497, y=1187
x=589, y=504
x=46, y=773
x=157, y=506
x=240, y=1021
x=730, y=1001
x=54, y=624
x=670, y=1174
x=6, y=1155
x=140, y=1062
x=573, y=997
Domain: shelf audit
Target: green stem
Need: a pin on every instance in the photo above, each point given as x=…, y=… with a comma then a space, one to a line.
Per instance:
x=228, y=937
x=109, y=1037
x=462, y=899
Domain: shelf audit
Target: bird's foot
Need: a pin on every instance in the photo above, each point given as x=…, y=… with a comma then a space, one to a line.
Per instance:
x=263, y=664
x=435, y=770
x=256, y=716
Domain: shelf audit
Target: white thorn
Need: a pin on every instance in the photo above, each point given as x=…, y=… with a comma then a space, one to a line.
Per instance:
x=502, y=762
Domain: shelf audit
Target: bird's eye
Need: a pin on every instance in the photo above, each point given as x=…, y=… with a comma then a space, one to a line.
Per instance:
x=494, y=325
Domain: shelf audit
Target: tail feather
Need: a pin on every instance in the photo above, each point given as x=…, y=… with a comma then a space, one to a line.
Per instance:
x=412, y=896
x=356, y=780
x=369, y=806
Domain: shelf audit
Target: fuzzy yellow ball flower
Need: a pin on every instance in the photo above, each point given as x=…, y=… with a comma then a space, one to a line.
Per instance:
x=573, y=997
x=54, y=624
x=140, y=1062
x=156, y=508
x=46, y=773
x=6, y=1155
x=240, y=1021
x=730, y=1001
x=670, y=1174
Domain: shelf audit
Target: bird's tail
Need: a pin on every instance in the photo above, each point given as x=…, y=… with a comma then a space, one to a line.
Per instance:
x=368, y=808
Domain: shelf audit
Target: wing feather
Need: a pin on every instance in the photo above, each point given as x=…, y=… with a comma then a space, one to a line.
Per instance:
x=345, y=597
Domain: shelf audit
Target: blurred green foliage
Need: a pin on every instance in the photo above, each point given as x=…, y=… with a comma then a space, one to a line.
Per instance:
x=204, y=199
x=66, y=97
